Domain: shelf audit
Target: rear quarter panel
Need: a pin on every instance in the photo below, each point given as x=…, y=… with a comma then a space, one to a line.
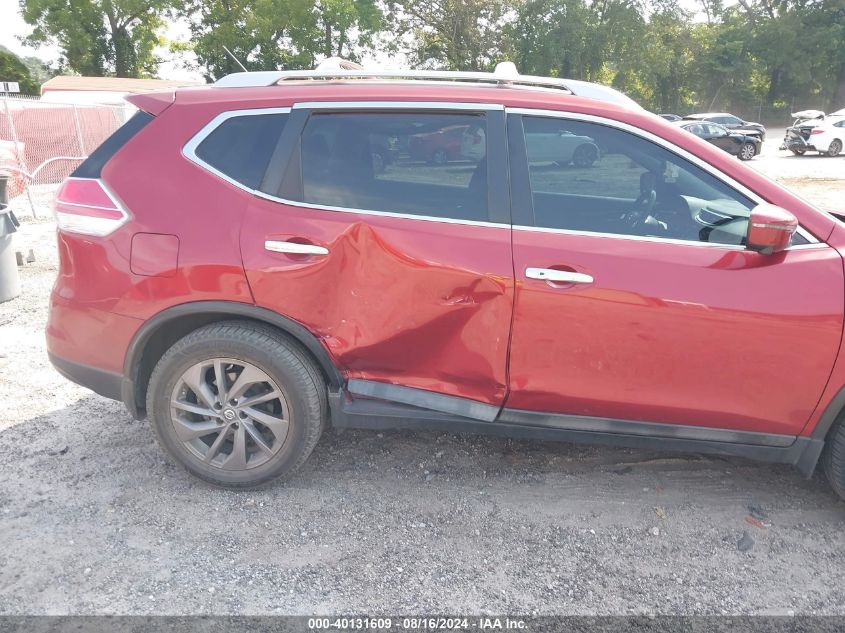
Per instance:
x=167, y=194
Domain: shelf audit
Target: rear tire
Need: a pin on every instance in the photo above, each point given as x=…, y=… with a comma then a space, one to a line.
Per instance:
x=798, y=152
x=833, y=458
x=835, y=148
x=261, y=426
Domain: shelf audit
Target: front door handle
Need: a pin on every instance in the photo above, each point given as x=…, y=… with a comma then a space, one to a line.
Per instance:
x=295, y=248
x=562, y=276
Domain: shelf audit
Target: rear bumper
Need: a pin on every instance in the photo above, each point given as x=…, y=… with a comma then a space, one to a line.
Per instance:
x=87, y=346
x=100, y=381
x=797, y=143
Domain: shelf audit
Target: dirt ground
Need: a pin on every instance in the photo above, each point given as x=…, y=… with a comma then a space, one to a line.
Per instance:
x=95, y=520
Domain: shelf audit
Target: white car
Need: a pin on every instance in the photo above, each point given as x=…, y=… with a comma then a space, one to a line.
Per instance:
x=562, y=147
x=819, y=133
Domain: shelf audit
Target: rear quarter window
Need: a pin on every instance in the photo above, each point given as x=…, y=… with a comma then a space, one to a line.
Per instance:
x=240, y=147
x=92, y=166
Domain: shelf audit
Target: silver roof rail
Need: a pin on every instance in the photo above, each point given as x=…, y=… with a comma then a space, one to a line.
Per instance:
x=505, y=74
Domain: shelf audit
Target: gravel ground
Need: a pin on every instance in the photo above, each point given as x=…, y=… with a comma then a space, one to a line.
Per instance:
x=96, y=521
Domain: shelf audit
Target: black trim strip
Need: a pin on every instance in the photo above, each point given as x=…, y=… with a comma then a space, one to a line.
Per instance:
x=498, y=187
x=423, y=399
x=522, y=202
x=92, y=166
x=646, y=429
x=231, y=308
x=212, y=311
x=830, y=415
x=103, y=382
x=274, y=175
x=377, y=415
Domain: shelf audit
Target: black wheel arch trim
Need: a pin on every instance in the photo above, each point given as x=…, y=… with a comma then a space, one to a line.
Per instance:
x=225, y=309
x=831, y=413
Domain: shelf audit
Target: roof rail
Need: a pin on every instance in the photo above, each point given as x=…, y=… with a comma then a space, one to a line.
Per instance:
x=504, y=75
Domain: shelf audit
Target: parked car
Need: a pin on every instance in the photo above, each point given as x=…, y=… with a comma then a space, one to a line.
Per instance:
x=234, y=267
x=562, y=147
x=670, y=117
x=438, y=147
x=812, y=131
x=735, y=143
x=731, y=122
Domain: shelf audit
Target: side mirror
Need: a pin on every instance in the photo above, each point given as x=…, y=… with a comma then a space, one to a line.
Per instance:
x=770, y=228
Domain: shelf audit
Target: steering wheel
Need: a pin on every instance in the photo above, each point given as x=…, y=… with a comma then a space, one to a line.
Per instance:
x=638, y=217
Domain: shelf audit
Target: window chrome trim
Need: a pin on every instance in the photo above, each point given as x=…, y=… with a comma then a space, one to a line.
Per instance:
x=397, y=105
x=698, y=162
x=189, y=150
x=623, y=236
x=382, y=214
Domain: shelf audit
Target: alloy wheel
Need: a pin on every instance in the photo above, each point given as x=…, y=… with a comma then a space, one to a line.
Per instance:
x=747, y=151
x=229, y=413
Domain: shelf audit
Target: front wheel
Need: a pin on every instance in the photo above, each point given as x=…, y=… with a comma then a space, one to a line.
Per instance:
x=833, y=458
x=237, y=404
x=835, y=148
x=585, y=155
x=747, y=151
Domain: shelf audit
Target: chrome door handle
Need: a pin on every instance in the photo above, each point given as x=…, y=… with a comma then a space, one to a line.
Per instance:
x=295, y=248
x=565, y=276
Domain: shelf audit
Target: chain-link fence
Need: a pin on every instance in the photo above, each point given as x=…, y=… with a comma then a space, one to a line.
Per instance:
x=41, y=143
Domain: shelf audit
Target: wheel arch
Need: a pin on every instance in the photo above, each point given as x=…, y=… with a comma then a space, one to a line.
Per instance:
x=833, y=412
x=159, y=332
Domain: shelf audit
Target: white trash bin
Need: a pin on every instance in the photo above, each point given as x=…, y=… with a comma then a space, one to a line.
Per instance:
x=10, y=281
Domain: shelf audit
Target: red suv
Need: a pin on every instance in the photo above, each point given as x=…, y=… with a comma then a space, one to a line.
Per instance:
x=235, y=267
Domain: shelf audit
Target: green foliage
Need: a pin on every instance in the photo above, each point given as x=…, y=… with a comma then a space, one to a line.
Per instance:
x=669, y=55
x=272, y=34
x=100, y=37
x=12, y=68
x=784, y=54
x=451, y=34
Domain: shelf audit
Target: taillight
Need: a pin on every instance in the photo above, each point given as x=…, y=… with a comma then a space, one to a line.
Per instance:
x=817, y=131
x=84, y=205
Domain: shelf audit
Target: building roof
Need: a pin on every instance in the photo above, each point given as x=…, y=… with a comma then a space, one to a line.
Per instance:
x=111, y=84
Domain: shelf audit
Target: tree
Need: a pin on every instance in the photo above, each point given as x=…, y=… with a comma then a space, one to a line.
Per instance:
x=554, y=37
x=12, y=68
x=451, y=34
x=279, y=34
x=100, y=37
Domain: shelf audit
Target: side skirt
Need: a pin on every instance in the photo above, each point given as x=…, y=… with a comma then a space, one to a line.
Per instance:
x=379, y=414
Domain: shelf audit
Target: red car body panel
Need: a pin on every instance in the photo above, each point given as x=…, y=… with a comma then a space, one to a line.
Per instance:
x=671, y=332
x=91, y=337
x=423, y=304
x=428, y=304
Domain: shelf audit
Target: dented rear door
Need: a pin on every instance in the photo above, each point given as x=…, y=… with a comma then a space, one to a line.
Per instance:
x=394, y=251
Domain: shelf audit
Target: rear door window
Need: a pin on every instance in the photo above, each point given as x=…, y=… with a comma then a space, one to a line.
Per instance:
x=427, y=164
